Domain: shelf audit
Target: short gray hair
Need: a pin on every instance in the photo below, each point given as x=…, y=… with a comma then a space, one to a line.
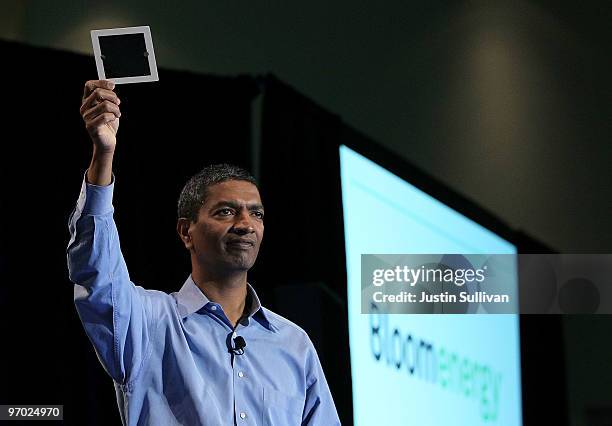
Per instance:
x=195, y=190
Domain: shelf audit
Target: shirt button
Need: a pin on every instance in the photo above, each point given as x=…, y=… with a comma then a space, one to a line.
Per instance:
x=243, y=415
x=213, y=307
x=240, y=374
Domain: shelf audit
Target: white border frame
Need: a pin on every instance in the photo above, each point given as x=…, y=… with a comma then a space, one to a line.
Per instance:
x=146, y=31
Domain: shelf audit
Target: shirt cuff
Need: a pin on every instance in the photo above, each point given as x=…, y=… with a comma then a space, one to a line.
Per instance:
x=96, y=199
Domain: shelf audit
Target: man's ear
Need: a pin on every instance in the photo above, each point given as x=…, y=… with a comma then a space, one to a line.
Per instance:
x=182, y=228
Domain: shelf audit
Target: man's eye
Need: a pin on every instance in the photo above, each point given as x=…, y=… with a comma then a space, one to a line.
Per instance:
x=224, y=212
x=258, y=215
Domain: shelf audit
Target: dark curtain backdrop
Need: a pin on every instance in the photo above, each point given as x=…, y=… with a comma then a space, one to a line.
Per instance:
x=169, y=130
x=300, y=178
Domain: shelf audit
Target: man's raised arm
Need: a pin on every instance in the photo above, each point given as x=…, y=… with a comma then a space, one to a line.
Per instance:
x=115, y=313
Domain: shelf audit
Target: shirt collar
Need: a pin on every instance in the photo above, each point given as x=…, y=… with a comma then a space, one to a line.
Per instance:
x=191, y=299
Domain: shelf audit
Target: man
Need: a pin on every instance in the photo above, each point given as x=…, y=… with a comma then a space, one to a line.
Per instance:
x=209, y=354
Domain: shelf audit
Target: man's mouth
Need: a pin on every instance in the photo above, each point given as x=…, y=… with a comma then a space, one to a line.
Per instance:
x=241, y=244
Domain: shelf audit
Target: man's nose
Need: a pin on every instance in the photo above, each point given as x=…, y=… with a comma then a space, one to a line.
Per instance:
x=243, y=223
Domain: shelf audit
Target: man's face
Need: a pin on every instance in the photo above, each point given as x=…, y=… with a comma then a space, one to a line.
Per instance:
x=229, y=229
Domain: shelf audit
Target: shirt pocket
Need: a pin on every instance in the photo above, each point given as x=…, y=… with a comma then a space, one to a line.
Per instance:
x=281, y=409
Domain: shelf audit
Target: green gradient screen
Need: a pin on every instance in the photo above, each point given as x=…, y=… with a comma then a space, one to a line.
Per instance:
x=422, y=369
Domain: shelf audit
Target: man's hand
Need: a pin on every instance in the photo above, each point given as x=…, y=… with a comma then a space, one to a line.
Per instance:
x=100, y=111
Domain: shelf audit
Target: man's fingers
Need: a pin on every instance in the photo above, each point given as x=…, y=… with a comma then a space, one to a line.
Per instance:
x=98, y=96
x=100, y=120
x=91, y=85
x=102, y=108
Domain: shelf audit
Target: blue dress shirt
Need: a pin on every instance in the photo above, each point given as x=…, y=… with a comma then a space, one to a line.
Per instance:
x=168, y=354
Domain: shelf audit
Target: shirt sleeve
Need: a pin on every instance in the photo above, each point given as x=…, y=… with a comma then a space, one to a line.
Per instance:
x=319, y=408
x=114, y=312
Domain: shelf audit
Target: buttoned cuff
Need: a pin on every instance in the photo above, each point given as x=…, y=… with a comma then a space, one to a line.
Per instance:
x=96, y=199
